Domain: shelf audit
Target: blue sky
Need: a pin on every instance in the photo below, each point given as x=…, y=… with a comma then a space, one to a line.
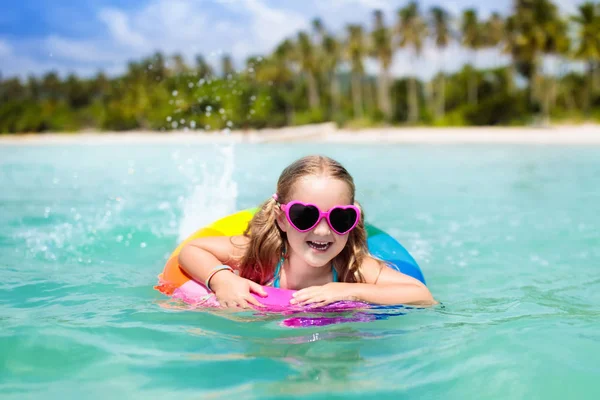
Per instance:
x=37, y=36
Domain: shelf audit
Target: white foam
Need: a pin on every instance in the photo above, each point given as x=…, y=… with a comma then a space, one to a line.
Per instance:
x=213, y=197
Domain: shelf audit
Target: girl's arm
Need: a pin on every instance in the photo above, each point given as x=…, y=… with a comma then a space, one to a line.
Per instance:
x=384, y=285
x=199, y=258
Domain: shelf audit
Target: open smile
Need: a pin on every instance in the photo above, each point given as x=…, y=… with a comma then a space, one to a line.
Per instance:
x=319, y=246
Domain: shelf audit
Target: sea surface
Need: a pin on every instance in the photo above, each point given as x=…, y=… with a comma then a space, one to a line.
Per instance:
x=507, y=236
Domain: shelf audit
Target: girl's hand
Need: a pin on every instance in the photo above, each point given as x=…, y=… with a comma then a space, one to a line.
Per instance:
x=320, y=296
x=233, y=291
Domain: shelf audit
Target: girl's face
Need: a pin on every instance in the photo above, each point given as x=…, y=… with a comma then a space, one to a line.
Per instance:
x=318, y=246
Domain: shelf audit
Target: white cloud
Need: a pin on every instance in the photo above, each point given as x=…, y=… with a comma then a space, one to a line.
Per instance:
x=118, y=26
x=5, y=48
x=86, y=51
x=241, y=28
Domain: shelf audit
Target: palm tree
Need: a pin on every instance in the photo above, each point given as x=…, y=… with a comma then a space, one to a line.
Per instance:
x=318, y=29
x=179, y=66
x=412, y=31
x=441, y=36
x=227, y=66
x=493, y=31
x=331, y=59
x=203, y=69
x=355, y=52
x=472, y=39
x=382, y=50
x=276, y=71
x=508, y=46
x=529, y=24
x=308, y=64
x=588, y=35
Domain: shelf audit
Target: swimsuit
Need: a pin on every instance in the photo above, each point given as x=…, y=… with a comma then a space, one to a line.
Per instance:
x=277, y=273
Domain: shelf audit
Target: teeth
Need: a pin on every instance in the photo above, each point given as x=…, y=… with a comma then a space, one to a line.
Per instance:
x=322, y=246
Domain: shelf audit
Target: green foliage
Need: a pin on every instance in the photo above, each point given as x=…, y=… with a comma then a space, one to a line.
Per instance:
x=303, y=81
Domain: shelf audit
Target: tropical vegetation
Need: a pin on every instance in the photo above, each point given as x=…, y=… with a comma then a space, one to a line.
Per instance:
x=551, y=74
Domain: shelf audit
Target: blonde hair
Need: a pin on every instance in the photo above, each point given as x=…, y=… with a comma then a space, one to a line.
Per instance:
x=267, y=242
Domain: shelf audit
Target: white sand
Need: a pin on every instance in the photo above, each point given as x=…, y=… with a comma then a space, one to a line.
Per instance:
x=328, y=133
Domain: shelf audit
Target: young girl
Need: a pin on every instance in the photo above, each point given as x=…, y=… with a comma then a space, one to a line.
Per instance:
x=310, y=236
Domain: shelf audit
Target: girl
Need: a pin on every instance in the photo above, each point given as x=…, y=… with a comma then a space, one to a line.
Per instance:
x=310, y=236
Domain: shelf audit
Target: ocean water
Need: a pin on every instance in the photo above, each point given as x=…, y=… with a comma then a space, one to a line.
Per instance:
x=508, y=238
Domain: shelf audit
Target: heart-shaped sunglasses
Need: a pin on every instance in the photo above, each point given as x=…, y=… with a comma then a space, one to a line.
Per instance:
x=305, y=216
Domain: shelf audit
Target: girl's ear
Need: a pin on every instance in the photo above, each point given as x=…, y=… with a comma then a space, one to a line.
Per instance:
x=281, y=219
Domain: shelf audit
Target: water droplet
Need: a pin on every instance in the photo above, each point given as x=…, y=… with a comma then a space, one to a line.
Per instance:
x=229, y=124
x=207, y=127
x=207, y=114
x=218, y=98
x=222, y=110
x=182, y=121
x=169, y=118
x=193, y=124
x=208, y=108
x=191, y=85
x=174, y=124
x=175, y=93
x=252, y=112
x=252, y=98
x=201, y=82
x=143, y=245
x=227, y=131
x=120, y=238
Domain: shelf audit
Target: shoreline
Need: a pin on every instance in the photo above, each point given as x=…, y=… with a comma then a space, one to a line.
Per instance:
x=328, y=133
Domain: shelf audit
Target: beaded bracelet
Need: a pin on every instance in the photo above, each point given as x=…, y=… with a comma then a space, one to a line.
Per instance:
x=213, y=272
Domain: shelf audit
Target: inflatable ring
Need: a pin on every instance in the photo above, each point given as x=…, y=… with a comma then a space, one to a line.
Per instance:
x=175, y=282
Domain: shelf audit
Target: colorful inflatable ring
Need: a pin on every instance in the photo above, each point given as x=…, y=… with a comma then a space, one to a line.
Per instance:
x=175, y=282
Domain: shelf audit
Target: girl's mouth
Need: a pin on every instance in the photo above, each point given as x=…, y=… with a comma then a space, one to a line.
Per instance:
x=319, y=246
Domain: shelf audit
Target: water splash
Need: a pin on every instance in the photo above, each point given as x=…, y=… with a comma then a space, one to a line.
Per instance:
x=214, y=197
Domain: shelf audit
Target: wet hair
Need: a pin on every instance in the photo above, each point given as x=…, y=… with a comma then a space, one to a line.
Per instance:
x=267, y=242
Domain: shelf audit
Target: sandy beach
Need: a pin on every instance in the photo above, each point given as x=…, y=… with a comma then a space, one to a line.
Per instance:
x=329, y=133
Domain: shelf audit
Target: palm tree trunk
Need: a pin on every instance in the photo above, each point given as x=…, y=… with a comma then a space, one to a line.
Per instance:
x=441, y=100
x=334, y=88
x=533, y=82
x=357, y=95
x=413, y=111
x=313, y=94
x=383, y=93
x=546, y=96
x=473, y=81
x=595, y=76
x=413, y=99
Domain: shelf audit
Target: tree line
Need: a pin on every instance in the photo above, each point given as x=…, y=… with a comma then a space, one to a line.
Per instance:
x=318, y=76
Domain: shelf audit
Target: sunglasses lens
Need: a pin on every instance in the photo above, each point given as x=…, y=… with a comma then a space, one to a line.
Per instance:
x=342, y=219
x=303, y=217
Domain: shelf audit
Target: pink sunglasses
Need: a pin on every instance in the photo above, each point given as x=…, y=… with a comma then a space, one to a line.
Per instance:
x=305, y=216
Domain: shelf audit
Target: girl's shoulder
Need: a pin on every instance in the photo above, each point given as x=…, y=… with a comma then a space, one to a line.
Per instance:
x=227, y=249
x=370, y=269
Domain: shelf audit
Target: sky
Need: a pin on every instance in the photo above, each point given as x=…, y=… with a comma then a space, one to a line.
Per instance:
x=88, y=36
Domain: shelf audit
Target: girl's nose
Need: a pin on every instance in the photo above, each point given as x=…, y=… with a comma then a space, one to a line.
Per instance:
x=322, y=228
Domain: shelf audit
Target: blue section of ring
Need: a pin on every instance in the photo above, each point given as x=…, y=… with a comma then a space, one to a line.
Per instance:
x=385, y=247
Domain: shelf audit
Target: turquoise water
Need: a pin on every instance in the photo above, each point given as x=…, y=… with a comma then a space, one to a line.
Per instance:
x=508, y=238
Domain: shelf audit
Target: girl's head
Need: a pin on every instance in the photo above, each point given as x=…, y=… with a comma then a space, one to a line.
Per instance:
x=284, y=224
